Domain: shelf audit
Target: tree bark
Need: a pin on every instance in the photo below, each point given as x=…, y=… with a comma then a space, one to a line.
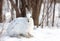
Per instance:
x=1, y=3
x=17, y=3
x=36, y=6
x=53, y=12
x=12, y=14
x=23, y=11
x=16, y=8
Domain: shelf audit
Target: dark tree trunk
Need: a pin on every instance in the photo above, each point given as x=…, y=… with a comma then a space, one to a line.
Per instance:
x=12, y=14
x=1, y=3
x=36, y=6
x=16, y=8
x=53, y=12
x=23, y=11
x=47, y=13
x=17, y=3
x=29, y=4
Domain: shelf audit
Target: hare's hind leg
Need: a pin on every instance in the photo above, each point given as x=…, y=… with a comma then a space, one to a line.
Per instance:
x=27, y=35
x=30, y=35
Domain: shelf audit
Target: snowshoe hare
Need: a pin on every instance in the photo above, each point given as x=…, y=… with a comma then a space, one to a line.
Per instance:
x=21, y=26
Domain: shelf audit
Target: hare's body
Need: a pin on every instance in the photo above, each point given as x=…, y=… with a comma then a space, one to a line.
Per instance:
x=22, y=25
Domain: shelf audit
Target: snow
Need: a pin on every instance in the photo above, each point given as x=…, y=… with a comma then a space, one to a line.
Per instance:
x=39, y=34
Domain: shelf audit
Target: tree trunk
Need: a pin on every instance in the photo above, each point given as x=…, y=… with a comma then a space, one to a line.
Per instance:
x=36, y=6
x=47, y=13
x=23, y=11
x=12, y=13
x=53, y=12
x=17, y=3
x=1, y=3
x=16, y=8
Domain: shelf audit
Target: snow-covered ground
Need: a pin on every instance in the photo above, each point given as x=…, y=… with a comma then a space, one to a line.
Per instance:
x=39, y=34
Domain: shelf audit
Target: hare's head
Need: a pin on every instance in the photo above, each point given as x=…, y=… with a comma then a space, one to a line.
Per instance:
x=29, y=16
x=28, y=13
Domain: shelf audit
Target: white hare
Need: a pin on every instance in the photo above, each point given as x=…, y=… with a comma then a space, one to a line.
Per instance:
x=21, y=26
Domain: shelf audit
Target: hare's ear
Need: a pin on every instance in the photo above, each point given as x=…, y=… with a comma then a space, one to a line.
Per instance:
x=28, y=13
x=31, y=11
